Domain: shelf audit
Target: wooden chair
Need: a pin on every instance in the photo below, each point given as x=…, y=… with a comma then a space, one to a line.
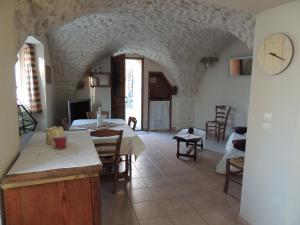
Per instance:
x=237, y=163
x=132, y=120
x=65, y=123
x=109, y=152
x=93, y=115
x=105, y=114
x=217, y=127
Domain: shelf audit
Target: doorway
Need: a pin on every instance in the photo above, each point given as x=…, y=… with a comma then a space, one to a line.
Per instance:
x=133, y=89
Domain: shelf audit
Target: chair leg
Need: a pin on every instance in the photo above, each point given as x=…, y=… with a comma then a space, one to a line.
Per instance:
x=116, y=176
x=126, y=165
x=224, y=130
x=216, y=131
x=227, y=175
x=219, y=133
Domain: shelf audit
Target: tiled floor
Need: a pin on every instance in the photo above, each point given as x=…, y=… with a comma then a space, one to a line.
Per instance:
x=165, y=190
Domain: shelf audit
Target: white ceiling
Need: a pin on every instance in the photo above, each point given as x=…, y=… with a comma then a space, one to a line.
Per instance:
x=249, y=5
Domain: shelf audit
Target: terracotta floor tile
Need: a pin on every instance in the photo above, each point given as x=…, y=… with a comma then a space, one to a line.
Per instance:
x=218, y=216
x=165, y=190
x=191, y=218
x=119, y=216
x=175, y=206
x=141, y=195
x=157, y=221
x=137, y=183
x=148, y=210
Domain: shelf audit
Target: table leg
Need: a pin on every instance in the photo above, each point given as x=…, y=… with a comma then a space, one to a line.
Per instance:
x=227, y=175
x=126, y=166
x=178, y=145
x=130, y=165
x=195, y=151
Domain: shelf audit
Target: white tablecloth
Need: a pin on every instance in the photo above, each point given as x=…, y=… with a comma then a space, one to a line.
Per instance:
x=231, y=152
x=131, y=142
x=198, y=133
x=38, y=156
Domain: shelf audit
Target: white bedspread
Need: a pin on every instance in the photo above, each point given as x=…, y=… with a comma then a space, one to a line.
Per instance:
x=231, y=152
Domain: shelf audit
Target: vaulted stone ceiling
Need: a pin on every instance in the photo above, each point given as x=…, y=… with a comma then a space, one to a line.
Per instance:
x=174, y=33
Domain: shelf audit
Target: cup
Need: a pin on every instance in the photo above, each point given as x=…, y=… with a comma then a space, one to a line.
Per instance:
x=60, y=142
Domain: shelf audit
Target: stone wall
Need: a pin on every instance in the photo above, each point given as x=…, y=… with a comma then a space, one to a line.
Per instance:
x=175, y=34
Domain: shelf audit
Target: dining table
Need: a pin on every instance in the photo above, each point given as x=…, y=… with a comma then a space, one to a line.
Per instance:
x=131, y=143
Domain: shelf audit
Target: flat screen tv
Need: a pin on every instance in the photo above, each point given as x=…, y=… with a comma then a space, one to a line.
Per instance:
x=241, y=66
x=77, y=109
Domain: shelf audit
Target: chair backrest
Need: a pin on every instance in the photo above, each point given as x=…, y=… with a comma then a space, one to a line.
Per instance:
x=105, y=114
x=109, y=133
x=222, y=113
x=132, y=120
x=65, y=123
x=93, y=115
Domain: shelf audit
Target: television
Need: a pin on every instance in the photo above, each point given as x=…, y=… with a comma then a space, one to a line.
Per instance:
x=241, y=66
x=77, y=109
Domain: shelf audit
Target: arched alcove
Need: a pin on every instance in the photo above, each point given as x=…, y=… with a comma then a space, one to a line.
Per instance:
x=174, y=34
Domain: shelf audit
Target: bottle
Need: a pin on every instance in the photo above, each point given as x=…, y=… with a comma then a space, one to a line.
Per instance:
x=99, y=118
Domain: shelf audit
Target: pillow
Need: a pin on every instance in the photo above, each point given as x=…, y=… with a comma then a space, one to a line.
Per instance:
x=240, y=130
x=239, y=144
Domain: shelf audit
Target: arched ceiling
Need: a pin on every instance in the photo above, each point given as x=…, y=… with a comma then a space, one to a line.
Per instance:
x=174, y=33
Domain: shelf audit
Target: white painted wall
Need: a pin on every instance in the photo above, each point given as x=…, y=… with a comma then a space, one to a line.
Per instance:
x=9, y=138
x=271, y=187
x=216, y=87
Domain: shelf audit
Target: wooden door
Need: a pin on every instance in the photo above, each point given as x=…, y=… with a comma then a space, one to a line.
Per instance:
x=118, y=87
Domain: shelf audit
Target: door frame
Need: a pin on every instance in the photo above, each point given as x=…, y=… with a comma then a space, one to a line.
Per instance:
x=142, y=97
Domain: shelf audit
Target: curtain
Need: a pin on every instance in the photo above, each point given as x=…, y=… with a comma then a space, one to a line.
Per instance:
x=159, y=115
x=29, y=72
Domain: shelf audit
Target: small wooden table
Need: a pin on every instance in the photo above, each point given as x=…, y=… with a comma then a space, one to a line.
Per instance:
x=190, y=139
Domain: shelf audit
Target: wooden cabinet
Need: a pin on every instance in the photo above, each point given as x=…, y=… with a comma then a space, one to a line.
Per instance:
x=60, y=196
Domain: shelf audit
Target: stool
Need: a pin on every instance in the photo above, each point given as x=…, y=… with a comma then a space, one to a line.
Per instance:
x=237, y=163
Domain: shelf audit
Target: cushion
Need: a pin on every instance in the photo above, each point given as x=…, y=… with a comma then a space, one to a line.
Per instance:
x=240, y=130
x=239, y=144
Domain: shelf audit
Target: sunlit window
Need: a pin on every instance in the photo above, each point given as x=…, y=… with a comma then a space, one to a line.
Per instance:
x=21, y=86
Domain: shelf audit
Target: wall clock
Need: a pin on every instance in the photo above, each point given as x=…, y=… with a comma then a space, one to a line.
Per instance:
x=275, y=53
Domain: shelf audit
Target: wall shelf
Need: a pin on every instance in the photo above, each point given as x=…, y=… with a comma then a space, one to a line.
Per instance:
x=100, y=80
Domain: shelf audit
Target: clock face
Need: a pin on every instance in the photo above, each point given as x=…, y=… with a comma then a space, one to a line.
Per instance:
x=275, y=53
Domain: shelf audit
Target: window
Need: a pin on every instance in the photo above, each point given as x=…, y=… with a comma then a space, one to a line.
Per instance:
x=27, y=85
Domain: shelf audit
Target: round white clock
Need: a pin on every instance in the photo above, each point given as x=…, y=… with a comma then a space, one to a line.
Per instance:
x=275, y=53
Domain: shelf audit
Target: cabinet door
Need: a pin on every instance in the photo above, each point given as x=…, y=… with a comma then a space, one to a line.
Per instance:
x=62, y=203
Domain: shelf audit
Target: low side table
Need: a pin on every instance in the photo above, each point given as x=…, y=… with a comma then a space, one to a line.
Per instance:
x=190, y=139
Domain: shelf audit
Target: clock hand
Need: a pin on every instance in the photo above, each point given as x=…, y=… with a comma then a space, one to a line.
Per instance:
x=273, y=54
